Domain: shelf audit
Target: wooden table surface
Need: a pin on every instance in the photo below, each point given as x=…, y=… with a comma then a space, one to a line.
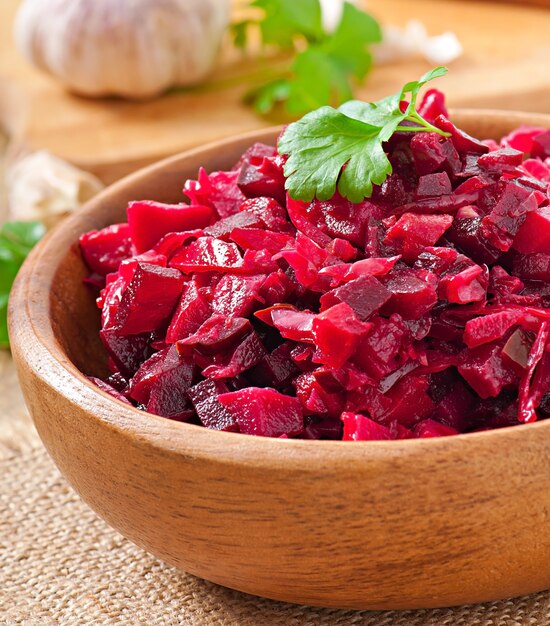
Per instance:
x=505, y=65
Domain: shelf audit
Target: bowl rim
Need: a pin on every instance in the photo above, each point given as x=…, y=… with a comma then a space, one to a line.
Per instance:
x=179, y=437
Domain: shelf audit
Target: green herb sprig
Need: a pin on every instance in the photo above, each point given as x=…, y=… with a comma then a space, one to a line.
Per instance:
x=16, y=241
x=343, y=148
x=323, y=66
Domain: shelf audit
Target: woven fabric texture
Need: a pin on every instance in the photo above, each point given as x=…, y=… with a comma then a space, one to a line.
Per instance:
x=60, y=565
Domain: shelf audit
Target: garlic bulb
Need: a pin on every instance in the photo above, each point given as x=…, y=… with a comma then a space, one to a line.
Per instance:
x=129, y=48
x=44, y=188
x=413, y=40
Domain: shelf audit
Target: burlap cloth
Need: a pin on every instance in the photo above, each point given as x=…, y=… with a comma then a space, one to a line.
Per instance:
x=60, y=565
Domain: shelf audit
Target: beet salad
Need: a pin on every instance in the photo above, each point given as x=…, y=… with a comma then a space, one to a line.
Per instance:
x=380, y=274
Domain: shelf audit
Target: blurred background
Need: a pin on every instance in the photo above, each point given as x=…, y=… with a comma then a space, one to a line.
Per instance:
x=91, y=90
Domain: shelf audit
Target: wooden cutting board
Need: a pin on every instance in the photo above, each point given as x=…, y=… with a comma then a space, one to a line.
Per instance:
x=505, y=65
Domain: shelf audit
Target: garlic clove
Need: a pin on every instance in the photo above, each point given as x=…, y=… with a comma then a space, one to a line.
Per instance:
x=413, y=40
x=42, y=187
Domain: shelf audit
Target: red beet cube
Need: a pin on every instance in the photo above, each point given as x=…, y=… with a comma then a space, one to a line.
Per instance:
x=361, y=428
x=217, y=190
x=413, y=293
x=365, y=295
x=469, y=285
x=208, y=254
x=149, y=299
x=533, y=266
x=104, y=250
x=191, y=312
x=337, y=333
x=210, y=410
x=431, y=428
x=412, y=233
x=534, y=234
x=264, y=412
x=484, y=369
x=149, y=221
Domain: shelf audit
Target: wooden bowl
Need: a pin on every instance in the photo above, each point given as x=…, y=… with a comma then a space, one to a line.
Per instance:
x=377, y=525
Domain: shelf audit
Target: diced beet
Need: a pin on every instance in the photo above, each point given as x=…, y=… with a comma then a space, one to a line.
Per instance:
x=484, y=369
x=168, y=393
x=237, y=295
x=412, y=233
x=127, y=351
x=432, y=105
x=541, y=145
x=410, y=401
x=469, y=285
x=365, y=295
x=378, y=354
x=255, y=154
x=431, y=428
x=149, y=299
x=488, y=328
x=208, y=254
x=315, y=399
x=248, y=353
x=345, y=272
x=431, y=153
x=172, y=242
x=522, y=138
x=192, y=311
x=291, y=323
x=342, y=249
x=260, y=239
x=502, y=284
x=305, y=270
x=223, y=228
x=109, y=389
x=537, y=169
x=455, y=407
x=413, y=293
x=149, y=221
x=534, y=234
x=462, y=141
x=217, y=190
x=434, y=185
x=436, y=259
x=140, y=386
x=264, y=412
x=502, y=160
x=270, y=212
x=299, y=214
x=218, y=334
x=104, y=250
x=265, y=178
x=337, y=333
x=358, y=427
x=533, y=266
x=210, y=410
x=274, y=369
x=276, y=288
x=503, y=223
x=466, y=234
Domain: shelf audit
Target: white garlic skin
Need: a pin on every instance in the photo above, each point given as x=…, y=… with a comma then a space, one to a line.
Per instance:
x=45, y=188
x=129, y=48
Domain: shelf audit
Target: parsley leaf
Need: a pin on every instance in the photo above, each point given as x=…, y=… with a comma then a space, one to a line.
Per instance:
x=16, y=241
x=324, y=66
x=342, y=149
x=284, y=19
